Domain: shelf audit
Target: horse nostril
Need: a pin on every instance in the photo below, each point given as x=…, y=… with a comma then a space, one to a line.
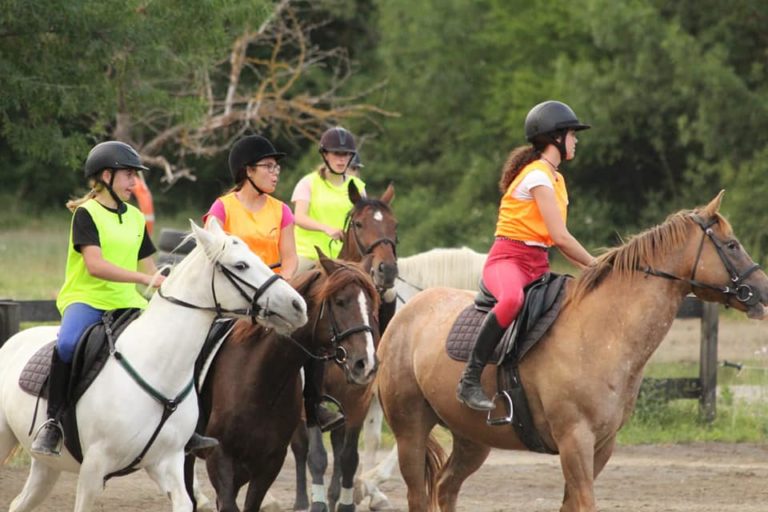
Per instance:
x=360, y=365
x=296, y=304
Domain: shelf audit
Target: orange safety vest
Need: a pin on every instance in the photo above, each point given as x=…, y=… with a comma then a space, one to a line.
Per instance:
x=521, y=220
x=144, y=200
x=259, y=230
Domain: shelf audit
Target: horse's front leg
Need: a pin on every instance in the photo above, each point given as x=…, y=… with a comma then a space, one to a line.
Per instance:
x=168, y=474
x=39, y=484
x=222, y=474
x=337, y=443
x=349, y=461
x=90, y=481
x=300, y=449
x=317, y=463
x=577, y=459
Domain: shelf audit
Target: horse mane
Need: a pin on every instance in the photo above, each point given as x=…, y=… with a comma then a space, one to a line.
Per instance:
x=638, y=252
x=452, y=267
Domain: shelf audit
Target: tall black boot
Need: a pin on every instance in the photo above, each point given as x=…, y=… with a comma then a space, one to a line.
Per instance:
x=50, y=435
x=470, y=391
x=317, y=414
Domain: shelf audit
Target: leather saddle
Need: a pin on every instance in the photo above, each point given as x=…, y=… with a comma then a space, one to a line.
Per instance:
x=91, y=354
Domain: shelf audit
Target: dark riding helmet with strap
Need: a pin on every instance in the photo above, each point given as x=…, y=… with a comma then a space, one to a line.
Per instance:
x=550, y=120
x=247, y=151
x=112, y=155
x=337, y=140
x=356, y=162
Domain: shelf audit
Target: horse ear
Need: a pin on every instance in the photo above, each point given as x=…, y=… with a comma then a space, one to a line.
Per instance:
x=714, y=205
x=328, y=265
x=206, y=238
x=388, y=194
x=354, y=194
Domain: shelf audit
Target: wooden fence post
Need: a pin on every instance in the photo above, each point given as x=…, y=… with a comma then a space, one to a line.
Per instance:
x=10, y=319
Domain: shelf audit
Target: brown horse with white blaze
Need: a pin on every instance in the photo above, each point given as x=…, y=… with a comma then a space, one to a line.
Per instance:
x=582, y=378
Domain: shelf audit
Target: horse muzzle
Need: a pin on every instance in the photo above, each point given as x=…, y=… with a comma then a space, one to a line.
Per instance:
x=359, y=371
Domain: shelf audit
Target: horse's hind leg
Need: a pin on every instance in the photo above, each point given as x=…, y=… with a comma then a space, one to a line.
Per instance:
x=318, y=463
x=372, y=433
x=466, y=458
x=39, y=484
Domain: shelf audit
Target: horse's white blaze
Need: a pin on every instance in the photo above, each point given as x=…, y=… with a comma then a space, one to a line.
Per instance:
x=369, y=350
x=378, y=216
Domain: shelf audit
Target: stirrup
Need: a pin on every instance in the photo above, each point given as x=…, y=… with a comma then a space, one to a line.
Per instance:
x=501, y=420
x=338, y=422
x=54, y=450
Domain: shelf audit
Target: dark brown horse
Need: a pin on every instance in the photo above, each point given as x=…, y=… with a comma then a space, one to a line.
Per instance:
x=582, y=378
x=253, y=392
x=371, y=231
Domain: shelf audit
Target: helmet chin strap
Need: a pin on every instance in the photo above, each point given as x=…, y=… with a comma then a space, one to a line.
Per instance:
x=255, y=187
x=330, y=168
x=119, y=202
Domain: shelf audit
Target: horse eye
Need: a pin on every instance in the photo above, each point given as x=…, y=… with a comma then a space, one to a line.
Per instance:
x=358, y=224
x=339, y=302
x=732, y=245
x=241, y=265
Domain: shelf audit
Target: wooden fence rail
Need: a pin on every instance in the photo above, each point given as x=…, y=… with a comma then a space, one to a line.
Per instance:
x=703, y=387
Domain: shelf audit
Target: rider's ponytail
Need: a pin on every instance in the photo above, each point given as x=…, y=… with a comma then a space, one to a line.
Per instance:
x=517, y=159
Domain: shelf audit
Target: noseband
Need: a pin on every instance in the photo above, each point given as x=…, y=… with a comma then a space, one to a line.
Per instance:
x=736, y=288
x=252, y=311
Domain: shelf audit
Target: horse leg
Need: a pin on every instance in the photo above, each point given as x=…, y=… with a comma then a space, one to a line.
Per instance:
x=466, y=458
x=222, y=475
x=577, y=459
x=169, y=477
x=39, y=484
x=602, y=454
x=334, y=487
x=203, y=504
x=368, y=482
x=300, y=449
x=261, y=480
x=412, y=432
x=317, y=463
x=349, y=461
x=372, y=432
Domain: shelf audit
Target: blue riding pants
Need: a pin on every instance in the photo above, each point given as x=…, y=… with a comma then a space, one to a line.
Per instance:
x=75, y=320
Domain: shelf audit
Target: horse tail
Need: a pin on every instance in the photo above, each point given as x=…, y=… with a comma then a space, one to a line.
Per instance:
x=435, y=460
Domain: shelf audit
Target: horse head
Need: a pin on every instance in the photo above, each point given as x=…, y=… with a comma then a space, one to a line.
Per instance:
x=371, y=229
x=722, y=270
x=344, y=305
x=222, y=274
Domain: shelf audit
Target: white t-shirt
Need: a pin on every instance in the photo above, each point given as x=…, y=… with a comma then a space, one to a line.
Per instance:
x=534, y=179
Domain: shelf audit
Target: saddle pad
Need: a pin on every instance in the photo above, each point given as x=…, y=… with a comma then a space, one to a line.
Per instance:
x=35, y=373
x=463, y=334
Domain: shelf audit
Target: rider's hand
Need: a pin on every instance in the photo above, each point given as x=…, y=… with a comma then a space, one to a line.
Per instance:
x=334, y=233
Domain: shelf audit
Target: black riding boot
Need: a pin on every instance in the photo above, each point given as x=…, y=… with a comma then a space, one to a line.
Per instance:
x=470, y=392
x=200, y=445
x=317, y=414
x=50, y=435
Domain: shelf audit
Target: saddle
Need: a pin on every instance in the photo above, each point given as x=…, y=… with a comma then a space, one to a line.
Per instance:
x=91, y=353
x=543, y=300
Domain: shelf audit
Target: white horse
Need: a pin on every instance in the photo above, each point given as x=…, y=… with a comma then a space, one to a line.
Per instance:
x=116, y=417
x=453, y=268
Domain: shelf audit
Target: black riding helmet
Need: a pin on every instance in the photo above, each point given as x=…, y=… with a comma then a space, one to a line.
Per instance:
x=549, y=120
x=247, y=151
x=339, y=140
x=356, y=162
x=112, y=155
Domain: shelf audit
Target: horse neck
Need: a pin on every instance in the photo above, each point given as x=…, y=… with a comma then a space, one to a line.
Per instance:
x=349, y=248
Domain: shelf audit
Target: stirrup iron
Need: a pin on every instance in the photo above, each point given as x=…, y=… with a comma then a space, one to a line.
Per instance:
x=501, y=420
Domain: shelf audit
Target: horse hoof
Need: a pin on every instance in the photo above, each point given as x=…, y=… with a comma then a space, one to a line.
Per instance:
x=345, y=508
x=318, y=506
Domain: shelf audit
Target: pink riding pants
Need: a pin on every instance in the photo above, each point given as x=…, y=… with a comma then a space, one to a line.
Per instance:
x=511, y=266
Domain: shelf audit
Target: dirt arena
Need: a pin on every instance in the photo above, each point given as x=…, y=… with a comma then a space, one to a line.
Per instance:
x=706, y=477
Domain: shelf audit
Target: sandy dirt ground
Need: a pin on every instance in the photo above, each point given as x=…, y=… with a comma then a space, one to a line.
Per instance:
x=706, y=477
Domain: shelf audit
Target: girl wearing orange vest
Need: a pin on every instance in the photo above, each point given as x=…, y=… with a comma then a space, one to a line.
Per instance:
x=250, y=212
x=532, y=218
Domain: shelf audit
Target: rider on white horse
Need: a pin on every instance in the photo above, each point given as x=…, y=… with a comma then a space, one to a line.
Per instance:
x=109, y=253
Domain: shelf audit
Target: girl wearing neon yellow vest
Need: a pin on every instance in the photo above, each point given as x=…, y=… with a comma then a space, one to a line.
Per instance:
x=321, y=200
x=249, y=211
x=532, y=218
x=109, y=253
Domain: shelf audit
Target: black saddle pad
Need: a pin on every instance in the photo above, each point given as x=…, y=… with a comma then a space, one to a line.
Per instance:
x=543, y=299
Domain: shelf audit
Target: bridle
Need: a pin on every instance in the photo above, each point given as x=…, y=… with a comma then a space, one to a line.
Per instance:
x=254, y=308
x=365, y=250
x=737, y=288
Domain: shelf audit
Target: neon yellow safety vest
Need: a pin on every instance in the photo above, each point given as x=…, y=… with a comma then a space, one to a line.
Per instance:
x=329, y=205
x=120, y=244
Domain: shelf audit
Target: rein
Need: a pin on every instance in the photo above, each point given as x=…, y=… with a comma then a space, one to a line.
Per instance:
x=737, y=288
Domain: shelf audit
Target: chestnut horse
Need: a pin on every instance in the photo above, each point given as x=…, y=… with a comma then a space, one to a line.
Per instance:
x=252, y=395
x=371, y=229
x=582, y=378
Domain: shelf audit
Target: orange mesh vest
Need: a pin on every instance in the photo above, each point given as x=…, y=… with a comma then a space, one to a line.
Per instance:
x=521, y=220
x=260, y=230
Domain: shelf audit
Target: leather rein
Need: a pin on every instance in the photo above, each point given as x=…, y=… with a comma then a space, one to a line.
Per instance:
x=737, y=288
